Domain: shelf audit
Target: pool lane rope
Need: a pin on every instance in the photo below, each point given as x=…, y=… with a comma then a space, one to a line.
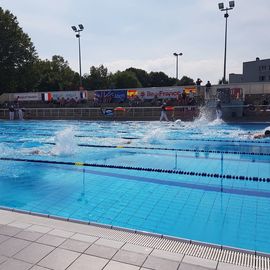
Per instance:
x=174, y=149
x=159, y=148
x=137, y=138
x=190, y=173
x=171, y=149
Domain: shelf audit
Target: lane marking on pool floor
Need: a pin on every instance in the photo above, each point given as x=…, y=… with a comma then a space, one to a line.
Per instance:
x=203, y=186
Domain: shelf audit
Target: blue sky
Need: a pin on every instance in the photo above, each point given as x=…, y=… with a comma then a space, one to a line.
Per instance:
x=145, y=33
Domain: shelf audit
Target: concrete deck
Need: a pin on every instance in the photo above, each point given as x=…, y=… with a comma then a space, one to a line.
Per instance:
x=39, y=243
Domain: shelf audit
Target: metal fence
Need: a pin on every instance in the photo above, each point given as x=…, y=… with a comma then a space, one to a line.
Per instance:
x=185, y=113
x=129, y=113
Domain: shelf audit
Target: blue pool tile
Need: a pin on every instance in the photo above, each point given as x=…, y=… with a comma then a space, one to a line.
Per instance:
x=147, y=200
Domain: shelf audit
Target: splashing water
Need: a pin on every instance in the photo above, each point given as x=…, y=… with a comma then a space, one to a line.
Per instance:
x=267, y=128
x=5, y=150
x=204, y=119
x=154, y=136
x=216, y=122
x=65, y=144
x=179, y=122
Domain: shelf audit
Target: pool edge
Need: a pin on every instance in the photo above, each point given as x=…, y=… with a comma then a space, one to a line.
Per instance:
x=225, y=254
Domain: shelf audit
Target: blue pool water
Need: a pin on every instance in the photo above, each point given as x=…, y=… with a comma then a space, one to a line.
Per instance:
x=205, y=201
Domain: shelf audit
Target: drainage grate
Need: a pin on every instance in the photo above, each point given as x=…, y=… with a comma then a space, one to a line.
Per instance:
x=201, y=250
x=245, y=258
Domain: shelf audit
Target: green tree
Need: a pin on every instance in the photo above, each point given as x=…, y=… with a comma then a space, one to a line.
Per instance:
x=141, y=75
x=99, y=78
x=186, y=81
x=125, y=79
x=159, y=79
x=55, y=75
x=17, y=55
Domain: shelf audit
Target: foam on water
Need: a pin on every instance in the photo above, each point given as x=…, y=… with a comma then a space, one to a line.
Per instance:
x=216, y=122
x=179, y=123
x=267, y=128
x=155, y=135
x=65, y=143
x=5, y=150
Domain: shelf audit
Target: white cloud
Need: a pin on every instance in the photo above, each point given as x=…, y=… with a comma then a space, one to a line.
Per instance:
x=144, y=34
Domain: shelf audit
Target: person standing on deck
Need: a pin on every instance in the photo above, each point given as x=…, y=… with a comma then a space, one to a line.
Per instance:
x=163, y=114
x=11, y=112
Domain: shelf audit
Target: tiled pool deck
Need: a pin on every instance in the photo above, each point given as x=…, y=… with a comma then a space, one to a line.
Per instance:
x=39, y=243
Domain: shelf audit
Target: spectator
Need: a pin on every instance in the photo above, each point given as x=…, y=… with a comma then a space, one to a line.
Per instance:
x=11, y=112
x=198, y=85
x=207, y=88
x=184, y=95
x=198, y=82
x=154, y=101
x=208, y=85
x=20, y=113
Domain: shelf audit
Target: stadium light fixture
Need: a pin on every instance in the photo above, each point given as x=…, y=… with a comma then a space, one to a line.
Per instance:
x=226, y=15
x=177, y=55
x=78, y=35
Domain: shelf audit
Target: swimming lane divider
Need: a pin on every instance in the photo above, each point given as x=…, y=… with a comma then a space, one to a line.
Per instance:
x=137, y=138
x=174, y=149
x=190, y=173
x=218, y=140
x=158, y=148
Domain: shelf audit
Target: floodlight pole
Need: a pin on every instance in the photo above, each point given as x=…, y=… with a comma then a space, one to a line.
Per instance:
x=78, y=35
x=80, y=59
x=176, y=55
x=226, y=16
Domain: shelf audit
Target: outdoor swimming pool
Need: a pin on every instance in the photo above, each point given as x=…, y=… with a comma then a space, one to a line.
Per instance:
x=205, y=181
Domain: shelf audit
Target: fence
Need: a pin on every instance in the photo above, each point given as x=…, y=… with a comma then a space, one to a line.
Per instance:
x=130, y=113
x=186, y=113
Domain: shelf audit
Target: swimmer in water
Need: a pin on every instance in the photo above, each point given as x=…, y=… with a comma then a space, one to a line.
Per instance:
x=266, y=134
x=40, y=152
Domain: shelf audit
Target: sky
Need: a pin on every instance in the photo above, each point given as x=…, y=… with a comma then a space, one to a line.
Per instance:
x=145, y=33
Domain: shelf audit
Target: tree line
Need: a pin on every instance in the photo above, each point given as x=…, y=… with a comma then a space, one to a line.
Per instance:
x=21, y=69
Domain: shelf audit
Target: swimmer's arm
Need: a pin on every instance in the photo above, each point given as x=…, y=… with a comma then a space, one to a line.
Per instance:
x=258, y=136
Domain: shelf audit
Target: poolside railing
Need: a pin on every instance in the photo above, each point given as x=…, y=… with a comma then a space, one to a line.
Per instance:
x=186, y=113
x=129, y=113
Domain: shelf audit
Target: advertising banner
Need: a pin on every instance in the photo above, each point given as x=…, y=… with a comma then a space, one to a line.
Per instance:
x=131, y=94
x=69, y=95
x=26, y=96
x=161, y=94
x=111, y=96
x=120, y=96
x=46, y=96
x=190, y=89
